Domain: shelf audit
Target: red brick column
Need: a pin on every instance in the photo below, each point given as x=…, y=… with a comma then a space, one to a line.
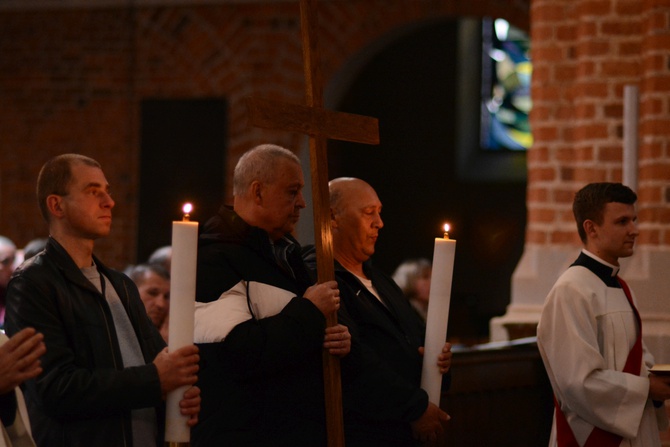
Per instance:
x=584, y=53
x=654, y=188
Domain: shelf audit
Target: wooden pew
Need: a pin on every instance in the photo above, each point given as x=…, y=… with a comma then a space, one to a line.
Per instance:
x=499, y=396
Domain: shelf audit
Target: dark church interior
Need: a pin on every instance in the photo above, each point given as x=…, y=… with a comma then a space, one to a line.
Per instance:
x=176, y=125
x=410, y=83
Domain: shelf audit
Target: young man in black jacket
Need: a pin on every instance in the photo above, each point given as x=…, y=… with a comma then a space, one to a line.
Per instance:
x=106, y=370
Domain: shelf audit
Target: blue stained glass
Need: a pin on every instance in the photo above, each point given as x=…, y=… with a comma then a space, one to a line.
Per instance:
x=506, y=76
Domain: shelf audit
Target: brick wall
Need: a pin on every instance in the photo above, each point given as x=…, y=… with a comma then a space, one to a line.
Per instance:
x=584, y=53
x=655, y=123
x=71, y=80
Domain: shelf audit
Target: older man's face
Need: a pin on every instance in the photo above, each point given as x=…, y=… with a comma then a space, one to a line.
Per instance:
x=282, y=199
x=357, y=223
x=155, y=294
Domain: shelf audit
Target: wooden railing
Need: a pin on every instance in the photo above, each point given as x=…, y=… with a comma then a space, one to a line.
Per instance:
x=499, y=396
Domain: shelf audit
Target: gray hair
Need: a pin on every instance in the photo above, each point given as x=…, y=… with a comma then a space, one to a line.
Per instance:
x=7, y=242
x=34, y=246
x=137, y=272
x=408, y=272
x=161, y=256
x=259, y=164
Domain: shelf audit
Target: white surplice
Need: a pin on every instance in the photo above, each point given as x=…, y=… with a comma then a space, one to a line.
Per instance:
x=585, y=334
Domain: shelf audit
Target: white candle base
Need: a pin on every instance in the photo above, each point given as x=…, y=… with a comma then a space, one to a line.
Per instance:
x=438, y=316
x=182, y=309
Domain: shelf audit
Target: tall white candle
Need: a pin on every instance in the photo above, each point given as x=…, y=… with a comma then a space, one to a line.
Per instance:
x=438, y=314
x=182, y=308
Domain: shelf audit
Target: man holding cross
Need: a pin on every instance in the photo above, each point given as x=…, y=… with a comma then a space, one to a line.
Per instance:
x=590, y=335
x=260, y=320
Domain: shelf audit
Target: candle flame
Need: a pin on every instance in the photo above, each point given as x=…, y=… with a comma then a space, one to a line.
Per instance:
x=446, y=231
x=187, y=210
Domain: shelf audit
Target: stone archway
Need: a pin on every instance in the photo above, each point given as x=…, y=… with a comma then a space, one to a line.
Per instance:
x=409, y=81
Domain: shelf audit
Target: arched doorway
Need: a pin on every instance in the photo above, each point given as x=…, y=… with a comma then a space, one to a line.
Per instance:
x=411, y=83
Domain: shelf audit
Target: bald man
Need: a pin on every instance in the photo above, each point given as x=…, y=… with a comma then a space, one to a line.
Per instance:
x=383, y=401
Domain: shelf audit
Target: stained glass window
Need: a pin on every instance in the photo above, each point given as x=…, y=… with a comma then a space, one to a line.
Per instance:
x=506, y=74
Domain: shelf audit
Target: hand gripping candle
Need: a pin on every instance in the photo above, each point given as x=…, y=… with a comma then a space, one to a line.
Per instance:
x=439, y=300
x=182, y=308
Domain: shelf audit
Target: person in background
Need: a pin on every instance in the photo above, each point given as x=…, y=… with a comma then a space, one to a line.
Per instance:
x=384, y=404
x=162, y=256
x=260, y=320
x=153, y=283
x=106, y=370
x=413, y=278
x=590, y=334
x=19, y=361
x=7, y=263
x=33, y=247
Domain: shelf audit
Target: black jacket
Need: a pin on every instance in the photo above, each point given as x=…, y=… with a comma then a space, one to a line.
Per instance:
x=382, y=374
x=84, y=396
x=263, y=384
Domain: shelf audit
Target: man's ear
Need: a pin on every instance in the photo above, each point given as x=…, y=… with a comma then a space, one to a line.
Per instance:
x=590, y=228
x=54, y=205
x=256, y=193
x=333, y=221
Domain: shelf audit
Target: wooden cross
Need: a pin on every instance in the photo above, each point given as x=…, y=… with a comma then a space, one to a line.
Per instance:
x=320, y=124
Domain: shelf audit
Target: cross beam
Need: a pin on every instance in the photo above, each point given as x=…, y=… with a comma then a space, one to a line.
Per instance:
x=320, y=124
x=313, y=121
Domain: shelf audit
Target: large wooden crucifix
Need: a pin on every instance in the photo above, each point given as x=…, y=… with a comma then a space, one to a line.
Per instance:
x=320, y=124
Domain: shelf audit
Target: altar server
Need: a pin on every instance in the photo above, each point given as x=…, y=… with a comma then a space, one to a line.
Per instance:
x=590, y=335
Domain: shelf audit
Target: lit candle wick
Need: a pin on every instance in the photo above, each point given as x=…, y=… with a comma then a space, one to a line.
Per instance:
x=187, y=210
x=446, y=231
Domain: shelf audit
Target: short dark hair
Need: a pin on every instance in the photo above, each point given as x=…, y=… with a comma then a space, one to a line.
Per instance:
x=590, y=201
x=55, y=177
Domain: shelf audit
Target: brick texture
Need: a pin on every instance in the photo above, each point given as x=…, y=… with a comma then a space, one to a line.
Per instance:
x=72, y=80
x=590, y=50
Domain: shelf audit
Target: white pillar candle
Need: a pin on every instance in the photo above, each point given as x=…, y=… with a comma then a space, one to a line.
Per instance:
x=630, y=141
x=182, y=308
x=438, y=314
